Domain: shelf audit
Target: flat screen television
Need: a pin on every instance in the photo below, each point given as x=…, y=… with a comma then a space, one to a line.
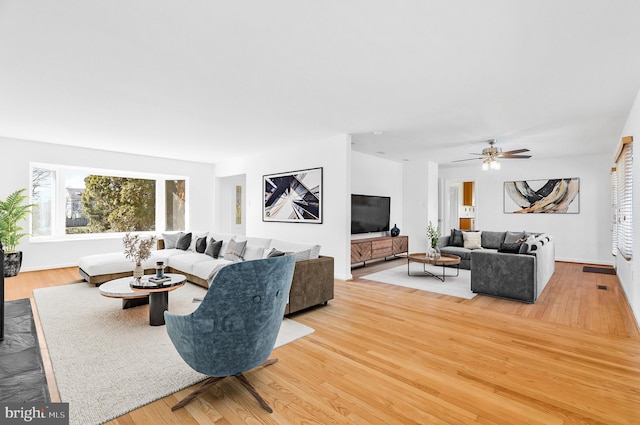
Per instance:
x=370, y=213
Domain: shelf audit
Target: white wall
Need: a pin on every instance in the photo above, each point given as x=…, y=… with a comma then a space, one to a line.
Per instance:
x=420, y=194
x=627, y=270
x=583, y=237
x=225, y=217
x=375, y=176
x=334, y=155
x=17, y=154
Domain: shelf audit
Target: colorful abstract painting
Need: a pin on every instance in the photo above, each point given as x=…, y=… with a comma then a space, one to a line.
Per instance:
x=294, y=196
x=554, y=196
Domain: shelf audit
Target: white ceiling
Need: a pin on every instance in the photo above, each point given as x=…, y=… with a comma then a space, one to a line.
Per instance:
x=206, y=80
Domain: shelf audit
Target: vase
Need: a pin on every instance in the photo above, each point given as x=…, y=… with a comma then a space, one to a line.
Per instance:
x=433, y=253
x=138, y=271
x=395, y=231
x=12, y=263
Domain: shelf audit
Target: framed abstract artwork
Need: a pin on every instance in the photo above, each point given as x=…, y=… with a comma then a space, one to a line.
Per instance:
x=554, y=196
x=293, y=197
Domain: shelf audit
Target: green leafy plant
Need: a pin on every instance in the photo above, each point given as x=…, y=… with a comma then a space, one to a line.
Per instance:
x=12, y=211
x=434, y=234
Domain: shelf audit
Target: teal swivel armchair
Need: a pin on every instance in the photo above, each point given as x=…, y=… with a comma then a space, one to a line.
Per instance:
x=235, y=327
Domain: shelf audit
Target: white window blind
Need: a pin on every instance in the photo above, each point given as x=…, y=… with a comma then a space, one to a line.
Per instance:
x=624, y=169
x=614, y=211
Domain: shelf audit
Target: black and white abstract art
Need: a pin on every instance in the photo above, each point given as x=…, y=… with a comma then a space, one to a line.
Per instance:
x=294, y=197
x=554, y=196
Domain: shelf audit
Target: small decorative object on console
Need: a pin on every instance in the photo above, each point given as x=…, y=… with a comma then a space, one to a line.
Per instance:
x=395, y=231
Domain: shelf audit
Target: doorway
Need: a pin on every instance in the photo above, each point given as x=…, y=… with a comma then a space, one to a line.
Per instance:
x=460, y=205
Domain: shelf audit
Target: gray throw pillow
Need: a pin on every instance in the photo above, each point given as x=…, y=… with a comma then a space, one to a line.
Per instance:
x=303, y=255
x=512, y=248
x=170, y=239
x=213, y=248
x=513, y=237
x=275, y=253
x=456, y=238
x=184, y=241
x=235, y=250
x=201, y=245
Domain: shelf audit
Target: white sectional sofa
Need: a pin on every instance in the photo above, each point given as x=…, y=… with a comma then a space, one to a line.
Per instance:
x=313, y=276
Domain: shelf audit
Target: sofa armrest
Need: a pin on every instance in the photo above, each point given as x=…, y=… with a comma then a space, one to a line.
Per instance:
x=312, y=283
x=504, y=275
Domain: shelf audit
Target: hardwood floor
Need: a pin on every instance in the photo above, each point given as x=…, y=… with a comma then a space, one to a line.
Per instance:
x=384, y=354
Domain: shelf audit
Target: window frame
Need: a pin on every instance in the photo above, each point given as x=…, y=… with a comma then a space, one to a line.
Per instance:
x=624, y=200
x=58, y=224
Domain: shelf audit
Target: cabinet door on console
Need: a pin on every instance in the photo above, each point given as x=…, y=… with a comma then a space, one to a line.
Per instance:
x=400, y=244
x=382, y=248
x=360, y=251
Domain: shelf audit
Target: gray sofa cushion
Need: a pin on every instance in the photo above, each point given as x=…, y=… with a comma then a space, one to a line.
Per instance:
x=492, y=239
x=463, y=253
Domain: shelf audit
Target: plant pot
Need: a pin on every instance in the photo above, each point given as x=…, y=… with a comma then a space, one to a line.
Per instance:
x=12, y=263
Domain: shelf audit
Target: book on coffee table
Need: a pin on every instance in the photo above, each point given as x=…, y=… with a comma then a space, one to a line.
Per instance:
x=163, y=279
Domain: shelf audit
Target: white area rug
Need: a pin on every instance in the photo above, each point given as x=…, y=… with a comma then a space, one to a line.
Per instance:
x=455, y=286
x=108, y=361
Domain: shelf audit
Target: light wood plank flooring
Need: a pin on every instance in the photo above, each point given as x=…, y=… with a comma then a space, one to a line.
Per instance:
x=384, y=354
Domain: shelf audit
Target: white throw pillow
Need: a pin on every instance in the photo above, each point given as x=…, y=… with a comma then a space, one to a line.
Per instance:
x=472, y=240
x=170, y=239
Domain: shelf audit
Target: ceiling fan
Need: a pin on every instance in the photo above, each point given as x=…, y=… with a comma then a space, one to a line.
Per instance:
x=490, y=155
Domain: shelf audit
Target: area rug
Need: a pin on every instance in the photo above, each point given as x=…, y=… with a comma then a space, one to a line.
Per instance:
x=108, y=361
x=22, y=377
x=459, y=286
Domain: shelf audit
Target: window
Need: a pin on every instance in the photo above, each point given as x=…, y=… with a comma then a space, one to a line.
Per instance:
x=624, y=216
x=73, y=201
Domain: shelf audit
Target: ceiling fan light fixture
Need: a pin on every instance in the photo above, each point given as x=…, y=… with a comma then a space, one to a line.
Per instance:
x=485, y=165
x=495, y=165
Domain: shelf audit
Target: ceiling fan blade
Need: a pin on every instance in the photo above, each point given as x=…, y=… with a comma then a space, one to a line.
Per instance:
x=516, y=156
x=515, y=151
x=469, y=159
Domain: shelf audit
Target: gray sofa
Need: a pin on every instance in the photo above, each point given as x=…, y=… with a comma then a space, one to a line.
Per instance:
x=512, y=265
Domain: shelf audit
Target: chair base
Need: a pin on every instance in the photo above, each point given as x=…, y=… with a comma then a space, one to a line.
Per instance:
x=215, y=379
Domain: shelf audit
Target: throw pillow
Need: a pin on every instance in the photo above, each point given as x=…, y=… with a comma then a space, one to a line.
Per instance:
x=512, y=248
x=170, y=239
x=253, y=252
x=201, y=245
x=275, y=253
x=235, y=250
x=184, y=241
x=456, y=238
x=303, y=255
x=512, y=237
x=472, y=240
x=213, y=248
x=194, y=239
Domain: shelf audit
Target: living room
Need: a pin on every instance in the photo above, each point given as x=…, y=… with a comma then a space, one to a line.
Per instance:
x=352, y=162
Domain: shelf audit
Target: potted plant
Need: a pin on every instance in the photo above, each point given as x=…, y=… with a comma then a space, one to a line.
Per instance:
x=12, y=211
x=433, y=233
